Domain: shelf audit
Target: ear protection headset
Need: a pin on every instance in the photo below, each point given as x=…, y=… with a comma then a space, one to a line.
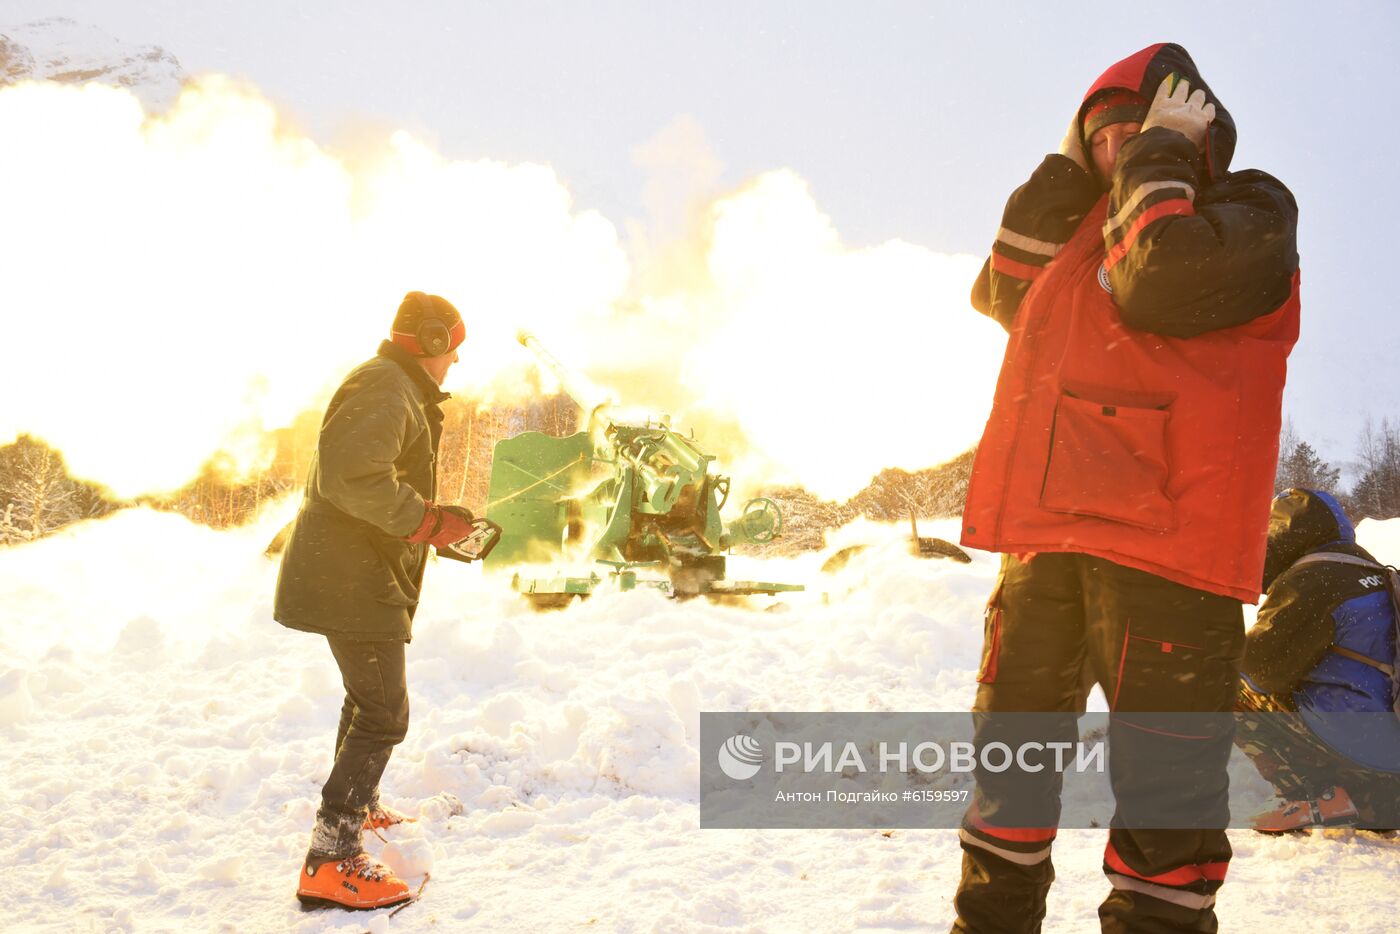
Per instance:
x=434, y=337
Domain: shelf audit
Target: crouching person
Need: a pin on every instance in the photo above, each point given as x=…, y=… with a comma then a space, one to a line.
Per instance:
x=352, y=570
x=1319, y=684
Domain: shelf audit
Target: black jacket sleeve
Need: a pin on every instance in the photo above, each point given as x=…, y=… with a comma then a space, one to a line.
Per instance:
x=1186, y=258
x=1039, y=218
x=1293, y=631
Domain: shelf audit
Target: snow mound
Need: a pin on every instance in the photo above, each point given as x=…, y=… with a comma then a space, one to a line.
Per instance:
x=152, y=708
x=1381, y=537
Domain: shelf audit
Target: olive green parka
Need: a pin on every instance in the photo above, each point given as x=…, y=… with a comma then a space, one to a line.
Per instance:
x=347, y=570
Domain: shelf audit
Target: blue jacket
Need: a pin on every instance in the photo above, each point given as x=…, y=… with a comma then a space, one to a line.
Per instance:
x=1309, y=608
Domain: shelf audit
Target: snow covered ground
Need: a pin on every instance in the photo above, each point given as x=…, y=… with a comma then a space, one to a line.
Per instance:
x=165, y=741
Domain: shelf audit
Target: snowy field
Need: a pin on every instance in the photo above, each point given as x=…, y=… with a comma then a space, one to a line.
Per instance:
x=165, y=742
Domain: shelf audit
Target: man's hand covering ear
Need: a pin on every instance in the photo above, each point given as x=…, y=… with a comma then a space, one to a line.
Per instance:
x=1174, y=109
x=1072, y=146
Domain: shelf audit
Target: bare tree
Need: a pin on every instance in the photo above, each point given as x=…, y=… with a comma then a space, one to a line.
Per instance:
x=1287, y=441
x=37, y=493
x=932, y=493
x=9, y=532
x=1377, y=493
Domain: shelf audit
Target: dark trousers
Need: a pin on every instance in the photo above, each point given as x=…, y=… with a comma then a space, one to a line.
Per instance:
x=373, y=720
x=1055, y=624
x=1301, y=766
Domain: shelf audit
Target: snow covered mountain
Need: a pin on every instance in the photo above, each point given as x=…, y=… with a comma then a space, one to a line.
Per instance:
x=59, y=49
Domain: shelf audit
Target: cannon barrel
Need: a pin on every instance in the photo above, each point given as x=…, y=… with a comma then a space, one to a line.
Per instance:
x=630, y=491
x=588, y=397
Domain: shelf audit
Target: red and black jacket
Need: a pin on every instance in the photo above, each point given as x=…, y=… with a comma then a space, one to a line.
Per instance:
x=1137, y=411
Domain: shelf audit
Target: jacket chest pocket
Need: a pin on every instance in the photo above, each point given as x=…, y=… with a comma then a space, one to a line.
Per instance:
x=1108, y=458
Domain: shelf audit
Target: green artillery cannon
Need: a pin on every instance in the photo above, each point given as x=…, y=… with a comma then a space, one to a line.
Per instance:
x=630, y=497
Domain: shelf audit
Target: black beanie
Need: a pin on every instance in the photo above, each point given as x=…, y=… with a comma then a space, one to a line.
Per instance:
x=1110, y=106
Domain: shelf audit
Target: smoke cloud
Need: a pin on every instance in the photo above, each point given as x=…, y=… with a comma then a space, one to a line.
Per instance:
x=177, y=285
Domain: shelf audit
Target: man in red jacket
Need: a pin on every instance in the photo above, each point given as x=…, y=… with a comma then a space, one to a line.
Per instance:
x=1125, y=473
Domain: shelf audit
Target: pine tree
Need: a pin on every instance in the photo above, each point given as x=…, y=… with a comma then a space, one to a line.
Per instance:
x=1303, y=467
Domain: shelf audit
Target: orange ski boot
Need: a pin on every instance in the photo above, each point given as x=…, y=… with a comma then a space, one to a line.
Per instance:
x=381, y=816
x=1334, y=806
x=358, y=883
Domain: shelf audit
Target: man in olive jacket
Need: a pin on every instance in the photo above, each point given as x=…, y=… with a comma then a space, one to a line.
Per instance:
x=352, y=571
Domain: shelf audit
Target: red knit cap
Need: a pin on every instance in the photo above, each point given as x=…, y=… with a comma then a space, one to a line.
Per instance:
x=1110, y=106
x=444, y=332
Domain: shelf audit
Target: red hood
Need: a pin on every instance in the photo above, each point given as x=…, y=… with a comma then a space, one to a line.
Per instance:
x=1142, y=73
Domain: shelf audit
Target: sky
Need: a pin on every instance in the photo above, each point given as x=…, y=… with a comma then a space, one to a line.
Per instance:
x=911, y=121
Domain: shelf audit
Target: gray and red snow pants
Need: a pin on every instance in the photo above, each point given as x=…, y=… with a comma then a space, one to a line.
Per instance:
x=1055, y=624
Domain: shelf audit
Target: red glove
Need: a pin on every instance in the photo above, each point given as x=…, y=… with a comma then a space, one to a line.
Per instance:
x=442, y=526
